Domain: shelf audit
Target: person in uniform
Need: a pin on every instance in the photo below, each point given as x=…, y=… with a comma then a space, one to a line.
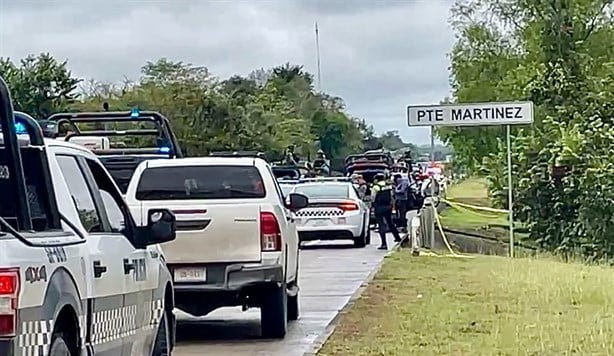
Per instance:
x=381, y=196
x=401, y=196
x=321, y=163
x=290, y=158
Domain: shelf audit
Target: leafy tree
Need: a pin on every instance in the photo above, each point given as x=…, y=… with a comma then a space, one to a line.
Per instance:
x=267, y=110
x=557, y=54
x=40, y=85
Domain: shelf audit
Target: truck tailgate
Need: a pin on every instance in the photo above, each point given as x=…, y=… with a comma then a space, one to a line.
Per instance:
x=212, y=231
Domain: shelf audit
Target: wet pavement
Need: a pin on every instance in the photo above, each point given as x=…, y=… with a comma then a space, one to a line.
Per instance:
x=330, y=273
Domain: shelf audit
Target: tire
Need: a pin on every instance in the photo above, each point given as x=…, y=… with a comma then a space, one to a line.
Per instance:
x=59, y=346
x=293, y=305
x=293, y=311
x=162, y=347
x=361, y=241
x=274, y=313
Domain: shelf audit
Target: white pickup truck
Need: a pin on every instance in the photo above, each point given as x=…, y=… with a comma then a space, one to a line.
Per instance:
x=237, y=243
x=77, y=275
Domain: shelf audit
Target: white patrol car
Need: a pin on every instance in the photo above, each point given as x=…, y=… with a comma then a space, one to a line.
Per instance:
x=335, y=212
x=77, y=276
x=237, y=243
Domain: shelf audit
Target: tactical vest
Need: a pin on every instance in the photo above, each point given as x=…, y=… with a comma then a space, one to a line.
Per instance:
x=383, y=196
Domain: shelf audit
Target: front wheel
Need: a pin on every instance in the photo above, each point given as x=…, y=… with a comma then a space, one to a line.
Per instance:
x=162, y=346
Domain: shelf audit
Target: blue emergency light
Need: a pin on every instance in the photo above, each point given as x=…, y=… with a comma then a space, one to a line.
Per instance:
x=134, y=113
x=20, y=128
x=164, y=150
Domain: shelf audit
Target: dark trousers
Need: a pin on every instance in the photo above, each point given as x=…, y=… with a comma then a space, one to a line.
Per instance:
x=402, y=207
x=383, y=216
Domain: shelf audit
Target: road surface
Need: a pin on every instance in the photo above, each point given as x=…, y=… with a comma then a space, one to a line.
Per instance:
x=330, y=273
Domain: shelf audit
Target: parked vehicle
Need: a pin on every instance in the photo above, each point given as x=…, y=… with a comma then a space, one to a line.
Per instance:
x=335, y=212
x=77, y=275
x=236, y=243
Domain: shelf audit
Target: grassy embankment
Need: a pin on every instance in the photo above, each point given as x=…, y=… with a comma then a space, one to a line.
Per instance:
x=480, y=306
x=473, y=191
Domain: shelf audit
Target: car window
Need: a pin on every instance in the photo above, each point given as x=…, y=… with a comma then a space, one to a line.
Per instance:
x=200, y=182
x=323, y=190
x=80, y=192
x=111, y=198
x=278, y=190
x=114, y=212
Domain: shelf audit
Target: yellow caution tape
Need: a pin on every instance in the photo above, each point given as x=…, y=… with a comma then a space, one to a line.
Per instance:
x=493, y=210
x=467, y=210
x=445, y=238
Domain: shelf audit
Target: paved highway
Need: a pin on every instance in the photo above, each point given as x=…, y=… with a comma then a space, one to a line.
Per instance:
x=330, y=273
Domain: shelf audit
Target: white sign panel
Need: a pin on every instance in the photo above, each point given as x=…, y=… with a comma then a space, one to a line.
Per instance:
x=510, y=113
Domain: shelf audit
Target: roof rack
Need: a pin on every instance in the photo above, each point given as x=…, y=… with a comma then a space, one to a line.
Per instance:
x=19, y=123
x=55, y=121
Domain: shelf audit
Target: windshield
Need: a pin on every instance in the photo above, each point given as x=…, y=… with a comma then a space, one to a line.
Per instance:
x=324, y=190
x=200, y=182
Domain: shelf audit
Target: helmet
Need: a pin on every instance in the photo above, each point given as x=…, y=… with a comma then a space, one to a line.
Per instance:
x=380, y=176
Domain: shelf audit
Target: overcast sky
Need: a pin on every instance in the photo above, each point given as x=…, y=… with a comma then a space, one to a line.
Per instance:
x=378, y=55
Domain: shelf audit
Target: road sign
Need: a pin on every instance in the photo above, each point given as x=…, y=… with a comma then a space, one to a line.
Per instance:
x=475, y=114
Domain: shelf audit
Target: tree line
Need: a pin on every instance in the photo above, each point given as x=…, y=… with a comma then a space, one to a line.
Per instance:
x=558, y=54
x=267, y=110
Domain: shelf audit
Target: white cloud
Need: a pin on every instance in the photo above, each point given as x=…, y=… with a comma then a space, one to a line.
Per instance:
x=378, y=55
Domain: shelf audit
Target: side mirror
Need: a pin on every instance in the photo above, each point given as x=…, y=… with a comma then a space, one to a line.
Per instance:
x=297, y=201
x=161, y=227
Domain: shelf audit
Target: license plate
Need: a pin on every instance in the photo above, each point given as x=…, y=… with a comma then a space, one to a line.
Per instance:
x=319, y=223
x=191, y=274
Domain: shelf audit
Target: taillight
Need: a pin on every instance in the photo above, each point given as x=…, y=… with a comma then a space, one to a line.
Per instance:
x=270, y=233
x=9, y=292
x=348, y=206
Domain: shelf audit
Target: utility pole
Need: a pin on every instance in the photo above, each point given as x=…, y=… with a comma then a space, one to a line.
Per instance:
x=319, y=74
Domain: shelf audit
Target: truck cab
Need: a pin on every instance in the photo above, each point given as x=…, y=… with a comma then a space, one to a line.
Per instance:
x=77, y=275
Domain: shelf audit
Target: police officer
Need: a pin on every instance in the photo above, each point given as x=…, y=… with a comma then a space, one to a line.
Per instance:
x=381, y=194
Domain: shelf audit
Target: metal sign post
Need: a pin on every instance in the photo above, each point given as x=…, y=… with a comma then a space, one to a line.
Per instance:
x=510, y=194
x=432, y=178
x=476, y=114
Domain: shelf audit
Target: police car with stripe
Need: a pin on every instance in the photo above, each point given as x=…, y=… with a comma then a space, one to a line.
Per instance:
x=77, y=276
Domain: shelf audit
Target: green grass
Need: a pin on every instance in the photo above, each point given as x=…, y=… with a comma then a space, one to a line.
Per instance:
x=474, y=191
x=480, y=306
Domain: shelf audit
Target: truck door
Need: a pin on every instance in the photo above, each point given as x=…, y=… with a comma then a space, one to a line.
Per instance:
x=105, y=303
x=139, y=277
